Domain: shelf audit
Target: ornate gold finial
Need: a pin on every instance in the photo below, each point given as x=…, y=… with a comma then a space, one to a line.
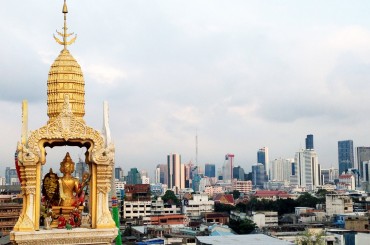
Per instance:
x=64, y=35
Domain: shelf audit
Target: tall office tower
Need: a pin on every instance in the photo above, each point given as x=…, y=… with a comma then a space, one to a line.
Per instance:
x=227, y=169
x=161, y=174
x=259, y=176
x=363, y=155
x=11, y=176
x=80, y=168
x=118, y=173
x=190, y=171
x=293, y=179
x=157, y=175
x=176, y=171
x=238, y=173
x=281, y=169
x=210, y=170
x=345, y=155
x=309, y=142
x=133, y=177
x=263, y=158
x=308, y=169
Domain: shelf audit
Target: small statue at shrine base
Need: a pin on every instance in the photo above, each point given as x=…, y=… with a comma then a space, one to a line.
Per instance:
x=86, y=221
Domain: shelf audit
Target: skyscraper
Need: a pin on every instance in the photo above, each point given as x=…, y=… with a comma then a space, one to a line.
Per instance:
x=363, y=155
x=133, y=177
x=210, y=170
x=161, y=175
x=309, y=142
x=263, y=158
x=118, y=173
x=345, y=155
x=11, y=176
x=281, y=169
x=308, y=169
x=227, y=169
x=259, y=176
x=238, y=173
x=80, y=169
x=176, y=171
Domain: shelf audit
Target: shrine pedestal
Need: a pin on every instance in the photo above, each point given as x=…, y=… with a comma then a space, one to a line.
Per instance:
x=65, y=212
x=61, y=236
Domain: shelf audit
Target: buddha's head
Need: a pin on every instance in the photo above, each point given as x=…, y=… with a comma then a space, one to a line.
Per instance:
x=67, y=166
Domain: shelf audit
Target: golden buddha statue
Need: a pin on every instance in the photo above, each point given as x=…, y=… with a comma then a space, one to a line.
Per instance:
x=69, y=187
x=71, y=193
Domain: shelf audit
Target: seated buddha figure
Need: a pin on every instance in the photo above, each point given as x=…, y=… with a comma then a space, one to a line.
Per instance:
x=69, y=187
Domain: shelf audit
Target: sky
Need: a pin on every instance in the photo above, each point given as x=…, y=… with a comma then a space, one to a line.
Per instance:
x=240, y=74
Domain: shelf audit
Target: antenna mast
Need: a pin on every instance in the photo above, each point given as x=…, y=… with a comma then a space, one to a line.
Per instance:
x=196, y=147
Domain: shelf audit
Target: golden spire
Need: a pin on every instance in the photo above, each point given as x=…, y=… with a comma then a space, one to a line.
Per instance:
x=65, y=78
x=64, y=35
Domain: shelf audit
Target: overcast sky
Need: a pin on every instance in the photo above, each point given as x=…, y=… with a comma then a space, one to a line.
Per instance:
x=244, y=74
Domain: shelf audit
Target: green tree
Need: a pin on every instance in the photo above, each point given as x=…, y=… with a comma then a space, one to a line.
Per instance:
x=236, y=194
x=170, y=197
x=307, y=200
x=220, y=207
x=242, y=226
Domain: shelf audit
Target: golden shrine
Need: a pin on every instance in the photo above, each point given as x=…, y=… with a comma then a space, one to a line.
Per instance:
x=65, y=127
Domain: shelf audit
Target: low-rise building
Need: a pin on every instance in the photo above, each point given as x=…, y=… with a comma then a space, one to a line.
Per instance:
x=136, y=209
x=347, y=182
x=137, y=201
x=160, y=208
x=227, y=199
x=219, y=218
x=260, y=218
x=357, y=223
x=196, y=207
x=338, y=204
x=168, y=219
x=271, y=195
x=264, y=218
x=242, y=186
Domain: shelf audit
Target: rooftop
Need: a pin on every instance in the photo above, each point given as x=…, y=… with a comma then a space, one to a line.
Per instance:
x=254, y=239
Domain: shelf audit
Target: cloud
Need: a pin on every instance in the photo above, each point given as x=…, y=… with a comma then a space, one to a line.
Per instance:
x=246, y=75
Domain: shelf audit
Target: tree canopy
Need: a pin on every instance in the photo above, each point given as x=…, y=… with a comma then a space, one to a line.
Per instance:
x=170, y=197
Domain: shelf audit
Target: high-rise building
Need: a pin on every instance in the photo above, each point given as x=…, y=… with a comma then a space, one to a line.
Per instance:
x=190, y=171
x=210, y=170
x=118, y=173
x=133, y=177
x=161, y=175
x=11, y=176
x=176, y=171
x=259, y=176
x=227, y=169
x=363, y=155
x=345, y=155
x=238, y=173
x=281, y=169
x=308, y=169
x=263, y=158
x=80, y=169
x=309, y=142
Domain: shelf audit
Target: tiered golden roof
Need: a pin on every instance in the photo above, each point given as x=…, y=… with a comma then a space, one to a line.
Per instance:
x=65, y=77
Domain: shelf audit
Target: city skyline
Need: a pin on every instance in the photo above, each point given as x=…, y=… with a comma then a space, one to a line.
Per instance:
x=243, y=75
